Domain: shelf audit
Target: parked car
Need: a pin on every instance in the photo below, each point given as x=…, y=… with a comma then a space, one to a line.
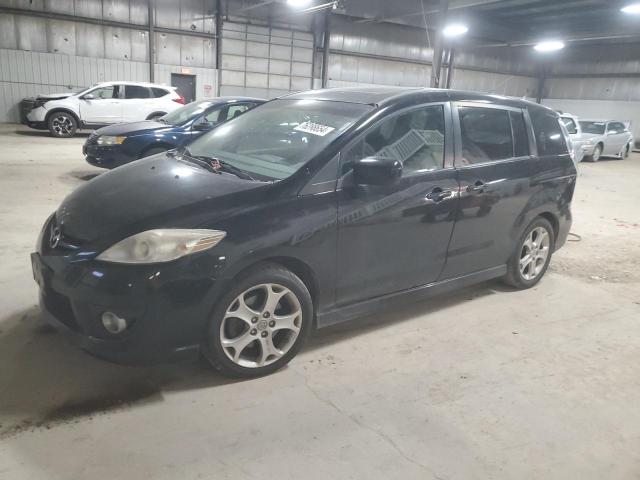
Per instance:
x=99, y=105
x=607, y=138
x=574, y=130
x=307, y=211
x=122, y=143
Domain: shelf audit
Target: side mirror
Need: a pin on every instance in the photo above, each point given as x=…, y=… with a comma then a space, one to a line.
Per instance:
x=88, y=96
x=376, y=171
x=203, y=126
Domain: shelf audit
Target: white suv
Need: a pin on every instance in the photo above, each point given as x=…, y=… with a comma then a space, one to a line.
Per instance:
x=100, y=105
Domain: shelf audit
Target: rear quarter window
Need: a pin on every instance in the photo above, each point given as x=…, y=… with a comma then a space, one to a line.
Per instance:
x=549, y=137
x=159, y=92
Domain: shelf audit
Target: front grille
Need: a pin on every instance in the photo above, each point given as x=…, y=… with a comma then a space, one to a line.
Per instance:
x=66, y=244
x=60, y=307
x=26, y=105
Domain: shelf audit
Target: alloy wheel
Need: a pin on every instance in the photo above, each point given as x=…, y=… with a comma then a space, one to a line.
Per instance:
x=261, y=325
x=62, y=125
x=596, y=153
x=534, y=253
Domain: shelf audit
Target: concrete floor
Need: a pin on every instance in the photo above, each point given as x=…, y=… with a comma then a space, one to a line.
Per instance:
x=482, y=383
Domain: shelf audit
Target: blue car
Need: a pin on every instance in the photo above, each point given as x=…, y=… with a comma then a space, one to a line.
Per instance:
x=115, y=145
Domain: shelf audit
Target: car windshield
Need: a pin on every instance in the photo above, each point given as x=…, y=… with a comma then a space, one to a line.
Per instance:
x=593, y=127
x=183, y=114
x=276, y=139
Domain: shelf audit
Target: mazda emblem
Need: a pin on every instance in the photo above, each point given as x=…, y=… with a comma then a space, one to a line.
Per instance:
x=54, y=238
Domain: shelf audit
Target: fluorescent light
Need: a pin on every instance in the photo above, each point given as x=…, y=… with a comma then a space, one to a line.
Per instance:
x=634, y=8
x=549, y=46
x=454, y=30
x=298, y=3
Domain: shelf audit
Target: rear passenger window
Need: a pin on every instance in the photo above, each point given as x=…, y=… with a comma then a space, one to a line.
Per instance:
x=486, y=134
x=549, y=136
x=158, y=92
x=520, y=137
x=135, y=91
x=415, y=139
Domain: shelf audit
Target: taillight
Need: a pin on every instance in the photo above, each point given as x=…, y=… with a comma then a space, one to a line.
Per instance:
x=181, y=99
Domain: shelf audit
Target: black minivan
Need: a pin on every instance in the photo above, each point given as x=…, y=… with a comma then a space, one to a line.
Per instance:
x=307, y=211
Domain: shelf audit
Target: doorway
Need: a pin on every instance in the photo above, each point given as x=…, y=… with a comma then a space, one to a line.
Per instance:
x=186, y=85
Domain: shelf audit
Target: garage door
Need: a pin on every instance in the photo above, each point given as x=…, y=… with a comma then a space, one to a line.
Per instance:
x=264, y=62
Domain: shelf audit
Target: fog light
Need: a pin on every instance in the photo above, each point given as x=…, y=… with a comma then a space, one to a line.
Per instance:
x=113, y=323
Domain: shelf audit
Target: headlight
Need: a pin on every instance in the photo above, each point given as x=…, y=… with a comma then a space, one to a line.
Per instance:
x=109, y=140
x=587, y=143
x=163, y=245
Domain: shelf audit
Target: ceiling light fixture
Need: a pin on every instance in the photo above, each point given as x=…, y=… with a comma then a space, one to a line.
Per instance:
x=549, y=46
x=632, y=9
x=455, y=30
x=298, y=3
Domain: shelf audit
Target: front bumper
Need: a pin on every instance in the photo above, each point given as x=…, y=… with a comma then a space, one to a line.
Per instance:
x=167, y=307
x=110, y=156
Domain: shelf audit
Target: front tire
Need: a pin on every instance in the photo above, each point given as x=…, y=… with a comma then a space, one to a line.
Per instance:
x=530, y=260
x=260, y=324
x=627, y=150
x=597, y=153
x=62, y=124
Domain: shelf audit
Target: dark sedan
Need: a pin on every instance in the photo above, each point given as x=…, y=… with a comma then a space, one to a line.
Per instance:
x=307, y=211
x=115, y=145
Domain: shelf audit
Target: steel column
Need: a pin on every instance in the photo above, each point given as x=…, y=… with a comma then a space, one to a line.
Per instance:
x=437, y=45
x=152, y=40
x=325, y=50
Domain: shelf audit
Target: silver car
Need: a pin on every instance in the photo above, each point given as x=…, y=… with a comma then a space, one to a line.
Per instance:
x=608, y=138
x=575, y=134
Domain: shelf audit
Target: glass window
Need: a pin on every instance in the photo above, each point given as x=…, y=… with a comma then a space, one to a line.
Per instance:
x=572, y=128
x=103, y=93
x=549, y=136
x=183, y=114
x=236, y=110
x=520, y=137
x=135, y=91
x=486, y=135
x=214, y=115
x=616, y=127
x=596, y=128
x=415, y=139
x=159, y=92
x=274, y=141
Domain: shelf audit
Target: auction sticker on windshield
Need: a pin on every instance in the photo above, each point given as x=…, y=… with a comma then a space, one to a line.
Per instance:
x=314, y=128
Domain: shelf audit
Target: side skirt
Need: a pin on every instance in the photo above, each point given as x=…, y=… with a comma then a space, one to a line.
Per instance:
x=354, y=310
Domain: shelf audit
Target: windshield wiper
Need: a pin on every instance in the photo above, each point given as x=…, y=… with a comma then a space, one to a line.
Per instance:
x=218, y=166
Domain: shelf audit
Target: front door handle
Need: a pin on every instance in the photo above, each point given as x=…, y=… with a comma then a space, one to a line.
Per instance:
x=438, y=194
x=477, y=187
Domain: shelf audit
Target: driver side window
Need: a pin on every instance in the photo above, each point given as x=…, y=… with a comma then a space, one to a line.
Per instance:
x=415, y=139
x=104, y=93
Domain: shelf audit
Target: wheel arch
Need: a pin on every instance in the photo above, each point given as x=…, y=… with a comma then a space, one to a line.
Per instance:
x=65, y=110
x=153, y=114
x=553, y=220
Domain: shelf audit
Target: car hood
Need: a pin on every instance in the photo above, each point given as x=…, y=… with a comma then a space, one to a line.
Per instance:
x=54, y=96
x=161, y=191
x=131, y=127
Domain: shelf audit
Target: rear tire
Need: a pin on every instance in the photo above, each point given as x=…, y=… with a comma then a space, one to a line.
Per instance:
x=260, y=324
x=531, y=257
x=62, y=124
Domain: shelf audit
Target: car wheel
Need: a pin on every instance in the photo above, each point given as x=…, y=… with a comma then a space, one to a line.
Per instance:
x=627, y=149
x=597, y=153
x=62, y=124
x=532, y=255
x=156, y=116
x=260, y=324
x=153, y=151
